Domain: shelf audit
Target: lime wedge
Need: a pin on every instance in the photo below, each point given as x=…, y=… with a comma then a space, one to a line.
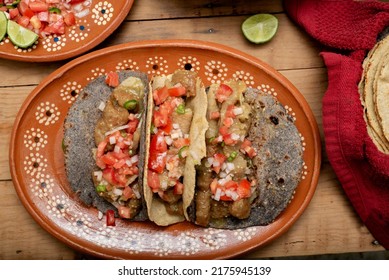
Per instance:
x=20, y=36
x=260, y=28
x=3, y=25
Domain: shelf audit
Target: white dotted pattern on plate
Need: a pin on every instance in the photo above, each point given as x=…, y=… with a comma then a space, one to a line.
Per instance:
x=132, y=241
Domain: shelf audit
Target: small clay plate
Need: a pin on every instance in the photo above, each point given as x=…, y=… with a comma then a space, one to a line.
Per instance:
x=37, y=163
x=103, y=17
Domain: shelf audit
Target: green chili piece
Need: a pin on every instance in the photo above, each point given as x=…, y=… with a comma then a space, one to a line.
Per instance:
x=101, y=188
x=54, y=10
x=152, y=128
x=180, y=109
x=123, y=134
x=232, y=156
x=130, y=104
x=181, y=151
x=210, y=140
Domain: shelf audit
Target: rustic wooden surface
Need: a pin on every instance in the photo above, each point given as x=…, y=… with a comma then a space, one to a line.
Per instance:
x=329, y=224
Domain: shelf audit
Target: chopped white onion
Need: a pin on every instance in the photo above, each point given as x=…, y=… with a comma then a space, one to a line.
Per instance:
x=217, y=194
x=176, y=126
x=102, y=106
x=116, y=149
x=117, y=192
x=100, y=215
x=230, y=166
x=112, y=140
x=83, y=13
x=168, y=140
x=98, y=175
x=137, y=193
x=222, y=174
x=237, y=111
x=216, y=163
x=78, y=7
x=164, y=185
x=175, y=135
x=128, y=143
x=235, y=136
x=210, y=160
x=134, y=159
x=117, y=129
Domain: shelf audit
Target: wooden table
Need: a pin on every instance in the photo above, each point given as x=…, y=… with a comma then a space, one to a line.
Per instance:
x=329, y=224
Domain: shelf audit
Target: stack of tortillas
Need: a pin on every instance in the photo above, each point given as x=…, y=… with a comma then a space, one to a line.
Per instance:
x=374, y=91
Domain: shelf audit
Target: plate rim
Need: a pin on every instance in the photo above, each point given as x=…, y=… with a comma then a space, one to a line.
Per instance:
x=30, y=57
x=181, y=44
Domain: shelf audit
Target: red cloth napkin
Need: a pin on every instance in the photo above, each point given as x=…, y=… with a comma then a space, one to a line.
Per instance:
x=350, y=28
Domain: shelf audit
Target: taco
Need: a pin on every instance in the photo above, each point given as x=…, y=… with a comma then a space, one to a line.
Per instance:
x=104, y=140
x=176, y=143
x=253, y=160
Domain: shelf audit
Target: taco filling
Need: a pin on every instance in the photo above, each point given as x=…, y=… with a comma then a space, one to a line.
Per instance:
x=253, y=159
x=225, y=179
x=117, y=136
x=170, y=141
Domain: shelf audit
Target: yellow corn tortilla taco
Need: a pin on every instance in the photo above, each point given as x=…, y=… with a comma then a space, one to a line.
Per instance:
x=175, y=144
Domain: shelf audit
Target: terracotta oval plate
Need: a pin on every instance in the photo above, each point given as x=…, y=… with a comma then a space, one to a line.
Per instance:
x=37, y=163
x=103, y=17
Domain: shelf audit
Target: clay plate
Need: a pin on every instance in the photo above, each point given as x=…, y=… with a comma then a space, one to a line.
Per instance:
x=37, y=164
x=103, y=18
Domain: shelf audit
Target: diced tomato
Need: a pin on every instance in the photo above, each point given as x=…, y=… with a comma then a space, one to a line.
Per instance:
x=181, y=142
x=177, y=91
x=246, y=143
x=23, y=21
x=25, y=10
x=160, y=118
x=38, y=7
x=214, y=185
x=158, y=143
x=169, y=105
x=109, y=159
x=126, y=170
x=119, y=164
x=228, y=140
x=132, y=125
x=160, y=95
x=214, y=115
x=112, y=79
x=223, y=93
x=158, y=148
x=178, y=188
x=223, y=130
x=219, y=159
x=157, y=162
x=232, y=186
x=69, y=19
x=230, y=111
x=3, y=8
x=110, y=215
x=35, y=22
x=75, y=1
x=244, y=189
x=109, y=175
x=13, y=13
x=250, y=151
x=168, y=127
x=153, y=181
x=128, y=193
x=124, y=212
x=228, y=122
x=121, y=179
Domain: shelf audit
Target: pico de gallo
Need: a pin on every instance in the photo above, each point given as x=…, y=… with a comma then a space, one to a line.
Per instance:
x=225, y=178
x=169, y=144
x=45, y=17
x=117, y=136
